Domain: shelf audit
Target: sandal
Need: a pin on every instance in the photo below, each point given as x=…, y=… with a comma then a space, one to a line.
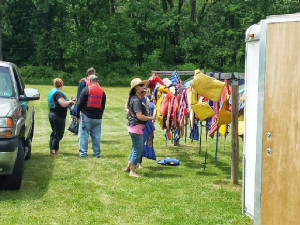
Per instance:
x=58, y=153
x=51, y=152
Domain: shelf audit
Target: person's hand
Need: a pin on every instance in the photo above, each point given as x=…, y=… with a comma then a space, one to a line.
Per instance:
x=152, y=118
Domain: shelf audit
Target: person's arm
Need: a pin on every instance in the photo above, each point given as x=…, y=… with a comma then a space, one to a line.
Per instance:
x=142, y=117
x=82, y=100
x=103, y=101
x=137, y=108
x=60, y=99
x=63, y=103
x=126, y=108
x=154, y=113
x=81, y=86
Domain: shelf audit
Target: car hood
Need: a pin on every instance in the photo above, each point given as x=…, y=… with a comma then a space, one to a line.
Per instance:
x=7, y=106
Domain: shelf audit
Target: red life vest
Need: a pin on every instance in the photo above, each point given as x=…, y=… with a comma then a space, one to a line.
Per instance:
x=85, y=81
x=95, y=97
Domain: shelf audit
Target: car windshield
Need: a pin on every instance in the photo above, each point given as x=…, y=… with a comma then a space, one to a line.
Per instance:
x=6, y=89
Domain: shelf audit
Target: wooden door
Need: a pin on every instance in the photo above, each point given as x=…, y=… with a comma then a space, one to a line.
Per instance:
x=280, y=181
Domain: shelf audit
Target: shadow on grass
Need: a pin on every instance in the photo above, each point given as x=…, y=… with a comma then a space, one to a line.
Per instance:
x=75, y=153
x=156, y=171
x=199, y=162
x=222, y=182
x=113, y=156
x=161, y=175
x=205, y=173
x=37, y=174
x=110, y=141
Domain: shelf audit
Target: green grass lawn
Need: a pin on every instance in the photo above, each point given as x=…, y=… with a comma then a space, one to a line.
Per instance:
x=70, y=190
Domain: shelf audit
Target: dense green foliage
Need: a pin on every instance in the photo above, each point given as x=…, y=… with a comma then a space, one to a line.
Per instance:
x=126, y=38
x=73, y=191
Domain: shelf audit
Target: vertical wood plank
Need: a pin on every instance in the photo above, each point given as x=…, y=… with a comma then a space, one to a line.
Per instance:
x=234, y=133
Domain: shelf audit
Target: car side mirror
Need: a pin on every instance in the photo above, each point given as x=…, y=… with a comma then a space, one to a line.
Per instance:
x=30, y=94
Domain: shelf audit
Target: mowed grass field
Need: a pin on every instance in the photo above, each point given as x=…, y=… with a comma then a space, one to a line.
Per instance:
x=70, y=190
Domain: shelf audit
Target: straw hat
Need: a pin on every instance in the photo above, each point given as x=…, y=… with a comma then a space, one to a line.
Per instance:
x=135, y=82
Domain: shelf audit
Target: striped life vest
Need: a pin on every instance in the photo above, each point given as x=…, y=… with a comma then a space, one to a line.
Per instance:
x=95, y=96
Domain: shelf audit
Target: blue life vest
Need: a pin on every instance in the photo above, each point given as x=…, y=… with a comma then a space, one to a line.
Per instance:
x=51, y=103
x=151, y=108
x=168, y=161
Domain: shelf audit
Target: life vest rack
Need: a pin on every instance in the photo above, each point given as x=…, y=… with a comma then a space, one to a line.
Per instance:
x=234, y=79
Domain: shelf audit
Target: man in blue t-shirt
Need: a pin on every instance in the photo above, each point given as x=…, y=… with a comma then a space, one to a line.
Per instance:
x=84, y=81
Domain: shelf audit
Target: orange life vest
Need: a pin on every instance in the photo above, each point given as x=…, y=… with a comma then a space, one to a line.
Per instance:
x=85, y=81
x=95, y=96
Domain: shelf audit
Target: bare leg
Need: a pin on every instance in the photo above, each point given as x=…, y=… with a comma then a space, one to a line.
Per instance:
x=57, y=152
x=51, y=152
x=132, y=172
x=127, y=169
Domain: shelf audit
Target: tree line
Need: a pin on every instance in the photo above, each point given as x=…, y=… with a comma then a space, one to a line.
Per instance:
x=127, y=38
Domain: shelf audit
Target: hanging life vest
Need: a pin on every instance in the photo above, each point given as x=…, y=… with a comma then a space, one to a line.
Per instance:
x=51, y=103
x=95, y=97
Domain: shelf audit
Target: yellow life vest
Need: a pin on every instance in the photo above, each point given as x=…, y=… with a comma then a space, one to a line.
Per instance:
x=207, y=86
x=203, y=110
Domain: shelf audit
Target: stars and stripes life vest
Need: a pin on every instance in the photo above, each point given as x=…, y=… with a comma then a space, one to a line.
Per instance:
x=95, y=96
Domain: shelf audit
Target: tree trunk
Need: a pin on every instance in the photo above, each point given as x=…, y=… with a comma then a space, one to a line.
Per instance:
x=164, y=5
x=112, y=6
x=180, y=3
x=206, y=4
x=171, y=3
x=193, y=9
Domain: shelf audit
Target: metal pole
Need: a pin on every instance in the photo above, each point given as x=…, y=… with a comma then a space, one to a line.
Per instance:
x=217, y=142
x=200, y=140
x=206, y=134
x=185, y=129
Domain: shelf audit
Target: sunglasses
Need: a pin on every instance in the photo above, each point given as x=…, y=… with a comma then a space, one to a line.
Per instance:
x=141, y=85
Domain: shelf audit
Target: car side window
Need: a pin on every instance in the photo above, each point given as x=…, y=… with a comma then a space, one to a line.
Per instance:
x=20, y=84
x=6, y=89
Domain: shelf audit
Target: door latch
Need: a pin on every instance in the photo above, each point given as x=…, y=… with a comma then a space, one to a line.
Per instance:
x=269, y=151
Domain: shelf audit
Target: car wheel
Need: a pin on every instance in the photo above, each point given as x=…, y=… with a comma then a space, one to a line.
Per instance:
x=28, y=144
x=32, y=131
x=14, y=181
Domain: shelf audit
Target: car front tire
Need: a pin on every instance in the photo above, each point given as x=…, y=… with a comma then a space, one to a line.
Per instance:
x=14, y=181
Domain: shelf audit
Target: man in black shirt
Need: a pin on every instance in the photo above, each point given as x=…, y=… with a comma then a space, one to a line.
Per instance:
x=91, y=104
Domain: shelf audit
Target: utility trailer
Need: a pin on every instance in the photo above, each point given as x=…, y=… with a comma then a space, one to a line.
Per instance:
x=271, y=155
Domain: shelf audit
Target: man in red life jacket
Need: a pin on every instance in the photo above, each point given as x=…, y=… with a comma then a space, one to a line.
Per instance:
x=91, y=105
x=84, y=81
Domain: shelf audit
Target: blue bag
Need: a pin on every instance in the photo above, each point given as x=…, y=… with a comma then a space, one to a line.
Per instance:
x=73, y=110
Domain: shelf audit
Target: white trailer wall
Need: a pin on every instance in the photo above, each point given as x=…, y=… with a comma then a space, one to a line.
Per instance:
x=250, y=114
